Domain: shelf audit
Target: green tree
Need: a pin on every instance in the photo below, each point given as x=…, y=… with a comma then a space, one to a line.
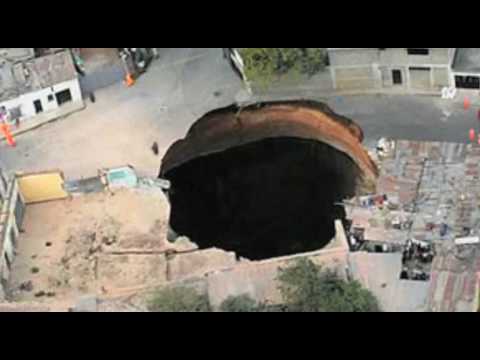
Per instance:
x=242, y=303
x=264, y=65
x=305, y=287
x=179, y=299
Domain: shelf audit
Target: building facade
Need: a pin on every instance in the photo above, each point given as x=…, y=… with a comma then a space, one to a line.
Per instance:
x=37, y=83
x=403, y=69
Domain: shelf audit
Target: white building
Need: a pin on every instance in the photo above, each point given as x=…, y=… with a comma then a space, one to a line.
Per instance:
x=45, y=86
x=398, y=69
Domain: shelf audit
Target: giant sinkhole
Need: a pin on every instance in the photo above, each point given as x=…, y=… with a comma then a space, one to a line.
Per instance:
x=265, y=180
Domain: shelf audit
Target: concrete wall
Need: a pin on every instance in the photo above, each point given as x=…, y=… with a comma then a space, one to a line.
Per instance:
x=9, y=229
x=258, y=279
x=2, y=292
x=361, y=77
x=441, y=77
x=3, y=186
x=25, y=101
x=17, y=54
x=400, y=56
x=353, y=57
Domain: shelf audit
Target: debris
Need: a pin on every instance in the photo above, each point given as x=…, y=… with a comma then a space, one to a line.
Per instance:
x=155, y=148
x=373, y=200
x=467, y=240
x=26, y=286
x=109, y=240
x=155, y=183
x=183, y=243
x=40, y=294
x=385, y=147
x=443, y=230
x=430, y=226
x=34, y=270
x=88, y=303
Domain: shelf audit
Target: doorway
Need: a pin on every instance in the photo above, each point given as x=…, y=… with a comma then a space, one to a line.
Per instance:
x=397, y=77
x=38, y=106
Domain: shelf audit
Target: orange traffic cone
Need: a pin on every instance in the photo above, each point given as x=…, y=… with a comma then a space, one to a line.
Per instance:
x=8, y=135
x=466, y=103
x=129, y=80
x=472, y=135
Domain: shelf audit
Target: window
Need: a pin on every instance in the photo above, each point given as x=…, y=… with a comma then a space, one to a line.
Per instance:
x=418, y=51
x=397, y=77
x=419, y=69
x=38, y=106
x=50, y=98
x=467, y=82
x=63, y=96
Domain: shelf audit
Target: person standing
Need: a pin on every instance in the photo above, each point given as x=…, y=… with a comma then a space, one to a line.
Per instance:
x=5, y=129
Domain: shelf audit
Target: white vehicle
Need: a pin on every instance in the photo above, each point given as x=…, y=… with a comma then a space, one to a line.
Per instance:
x=236, y=61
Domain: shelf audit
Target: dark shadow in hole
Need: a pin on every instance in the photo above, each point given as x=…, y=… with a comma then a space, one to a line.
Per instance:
x=270, y=198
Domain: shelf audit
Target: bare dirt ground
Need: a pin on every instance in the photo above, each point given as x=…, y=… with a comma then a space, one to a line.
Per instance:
x=90, y=244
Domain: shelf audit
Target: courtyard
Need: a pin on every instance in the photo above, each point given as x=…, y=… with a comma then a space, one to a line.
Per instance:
x=93, y=243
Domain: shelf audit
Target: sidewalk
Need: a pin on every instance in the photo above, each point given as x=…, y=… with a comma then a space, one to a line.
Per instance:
x=320, y=87
x=42, y=119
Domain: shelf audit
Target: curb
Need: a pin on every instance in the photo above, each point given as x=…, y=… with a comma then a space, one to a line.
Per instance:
x=42, y=123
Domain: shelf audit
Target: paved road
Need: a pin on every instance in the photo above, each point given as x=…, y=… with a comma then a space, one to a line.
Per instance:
x=408, y=117
x=180, y=87
x=122, y=125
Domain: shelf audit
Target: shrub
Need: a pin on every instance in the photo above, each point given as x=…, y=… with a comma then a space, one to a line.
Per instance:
x=242, y=303
x=179, y=299
x=305, y=287
x=264, y=65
